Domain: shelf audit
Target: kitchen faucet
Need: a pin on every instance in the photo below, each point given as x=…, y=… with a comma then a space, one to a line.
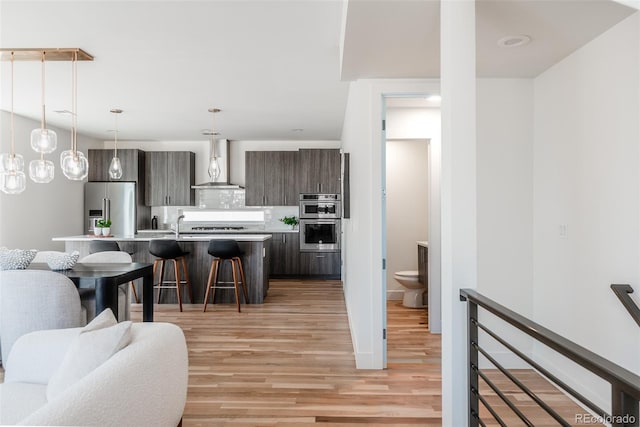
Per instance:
x=178, y=226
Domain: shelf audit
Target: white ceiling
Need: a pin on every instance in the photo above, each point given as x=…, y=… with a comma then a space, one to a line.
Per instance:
x=271, y=65
x=401, y=38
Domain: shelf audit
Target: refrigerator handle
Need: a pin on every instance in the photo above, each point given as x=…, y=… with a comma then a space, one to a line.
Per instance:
x=106, y=208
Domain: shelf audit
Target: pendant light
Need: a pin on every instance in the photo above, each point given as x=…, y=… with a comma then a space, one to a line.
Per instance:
x=43, y=140
x=12, y=177
x=115, y=168
x=73, y=162
x=41, y=171
x=214, y=165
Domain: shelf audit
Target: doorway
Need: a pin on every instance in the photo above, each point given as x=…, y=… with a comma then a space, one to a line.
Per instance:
x=410, y=216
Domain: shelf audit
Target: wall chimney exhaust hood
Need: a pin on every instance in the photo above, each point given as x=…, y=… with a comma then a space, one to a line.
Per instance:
x=219, y=150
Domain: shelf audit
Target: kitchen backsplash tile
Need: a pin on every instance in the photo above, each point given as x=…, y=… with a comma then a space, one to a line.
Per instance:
x=220, y=199
x=224, y=199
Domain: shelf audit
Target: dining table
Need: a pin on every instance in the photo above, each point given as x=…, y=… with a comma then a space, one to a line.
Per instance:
x=106, y=278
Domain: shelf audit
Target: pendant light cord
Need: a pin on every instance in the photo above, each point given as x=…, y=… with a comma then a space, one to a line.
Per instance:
x=115, y=140
x=74, y=104
x=43, y=122
x=13, y=152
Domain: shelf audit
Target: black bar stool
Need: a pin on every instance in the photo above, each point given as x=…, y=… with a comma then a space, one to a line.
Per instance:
x=166, y=249
x=222, y=250
x=108, y=246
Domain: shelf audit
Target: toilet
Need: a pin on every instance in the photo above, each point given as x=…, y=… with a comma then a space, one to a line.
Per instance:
x=413, y=289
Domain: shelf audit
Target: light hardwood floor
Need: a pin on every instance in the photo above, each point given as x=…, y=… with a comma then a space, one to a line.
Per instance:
x=290, y=362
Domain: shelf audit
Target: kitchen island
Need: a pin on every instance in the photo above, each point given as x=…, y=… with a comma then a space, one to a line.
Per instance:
x=255, y=260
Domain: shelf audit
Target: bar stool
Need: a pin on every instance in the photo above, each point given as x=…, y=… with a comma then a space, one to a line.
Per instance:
x=96, y=246
x=222, y=250
x=164, y=250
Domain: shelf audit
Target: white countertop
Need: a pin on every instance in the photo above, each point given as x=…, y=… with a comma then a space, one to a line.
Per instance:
x=244, y=231
x=423, y=243
x=145, y=237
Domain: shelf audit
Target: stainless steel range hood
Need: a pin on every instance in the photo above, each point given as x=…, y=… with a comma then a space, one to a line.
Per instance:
x=219, y=148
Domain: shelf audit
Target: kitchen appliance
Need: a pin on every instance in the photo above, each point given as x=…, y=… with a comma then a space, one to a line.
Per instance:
x=211, y=221
x=320, y=235
x=219, y=148
x=111, y=200
x=320, y=222
x=313, y=205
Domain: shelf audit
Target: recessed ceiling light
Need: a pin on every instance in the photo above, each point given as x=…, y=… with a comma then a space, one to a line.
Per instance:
x=514, y=41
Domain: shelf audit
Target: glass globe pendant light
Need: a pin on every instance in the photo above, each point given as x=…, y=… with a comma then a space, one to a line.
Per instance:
x=41, y=171
x=214, y=165
x=43, y=140
x=115, y=168
x=12, y=177
x=74, y=164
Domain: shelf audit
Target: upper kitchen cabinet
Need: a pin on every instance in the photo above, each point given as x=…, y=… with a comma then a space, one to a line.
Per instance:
x=170, y=175
x=319, y=171
x=270, y=178
x=132, y=161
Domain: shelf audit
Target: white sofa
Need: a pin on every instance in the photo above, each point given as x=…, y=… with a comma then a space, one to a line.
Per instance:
x=144, y=384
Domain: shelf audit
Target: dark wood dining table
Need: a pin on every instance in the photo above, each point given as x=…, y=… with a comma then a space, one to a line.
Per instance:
x=105, y=278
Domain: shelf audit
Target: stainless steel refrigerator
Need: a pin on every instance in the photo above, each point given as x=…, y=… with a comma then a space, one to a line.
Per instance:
x=111, y=200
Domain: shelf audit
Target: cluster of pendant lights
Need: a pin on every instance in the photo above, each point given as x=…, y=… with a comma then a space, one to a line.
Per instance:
x=44, y=141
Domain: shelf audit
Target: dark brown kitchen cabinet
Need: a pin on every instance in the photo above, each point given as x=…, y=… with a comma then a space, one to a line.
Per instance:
x=270, y=178
x=132, y=161
x=319, y=171
x=285, y=255
x=326, y=264
x=170, y=175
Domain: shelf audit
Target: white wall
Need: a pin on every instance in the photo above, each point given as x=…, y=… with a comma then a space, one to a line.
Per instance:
x=42, y=211
x=407, y=207
x=458, y=198
x=362, y=252
x=505, y=204
x=586, y=178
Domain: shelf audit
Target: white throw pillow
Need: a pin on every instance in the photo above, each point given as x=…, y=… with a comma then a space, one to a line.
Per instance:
x=16, y=259
x=61, y=260
x=95, y=344
x=102, y=320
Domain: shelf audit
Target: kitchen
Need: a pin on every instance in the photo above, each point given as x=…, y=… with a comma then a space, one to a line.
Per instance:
x=220, y=207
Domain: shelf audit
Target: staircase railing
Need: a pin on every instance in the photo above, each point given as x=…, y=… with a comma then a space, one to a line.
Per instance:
x=623, y=292
x=625, y=385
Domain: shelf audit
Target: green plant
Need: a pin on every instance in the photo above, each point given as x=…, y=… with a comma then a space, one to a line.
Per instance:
x=104, y=223
x=290, y=220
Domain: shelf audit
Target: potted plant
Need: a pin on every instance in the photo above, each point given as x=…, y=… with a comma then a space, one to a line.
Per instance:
x=97, y=228
x=290, y=220
x=105, y=224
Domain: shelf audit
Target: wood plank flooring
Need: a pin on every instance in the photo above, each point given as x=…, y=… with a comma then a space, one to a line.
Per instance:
x=563, y=405
x=290, y=362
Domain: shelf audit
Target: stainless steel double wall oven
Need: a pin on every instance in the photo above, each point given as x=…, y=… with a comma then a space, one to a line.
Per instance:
x=320, y=222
